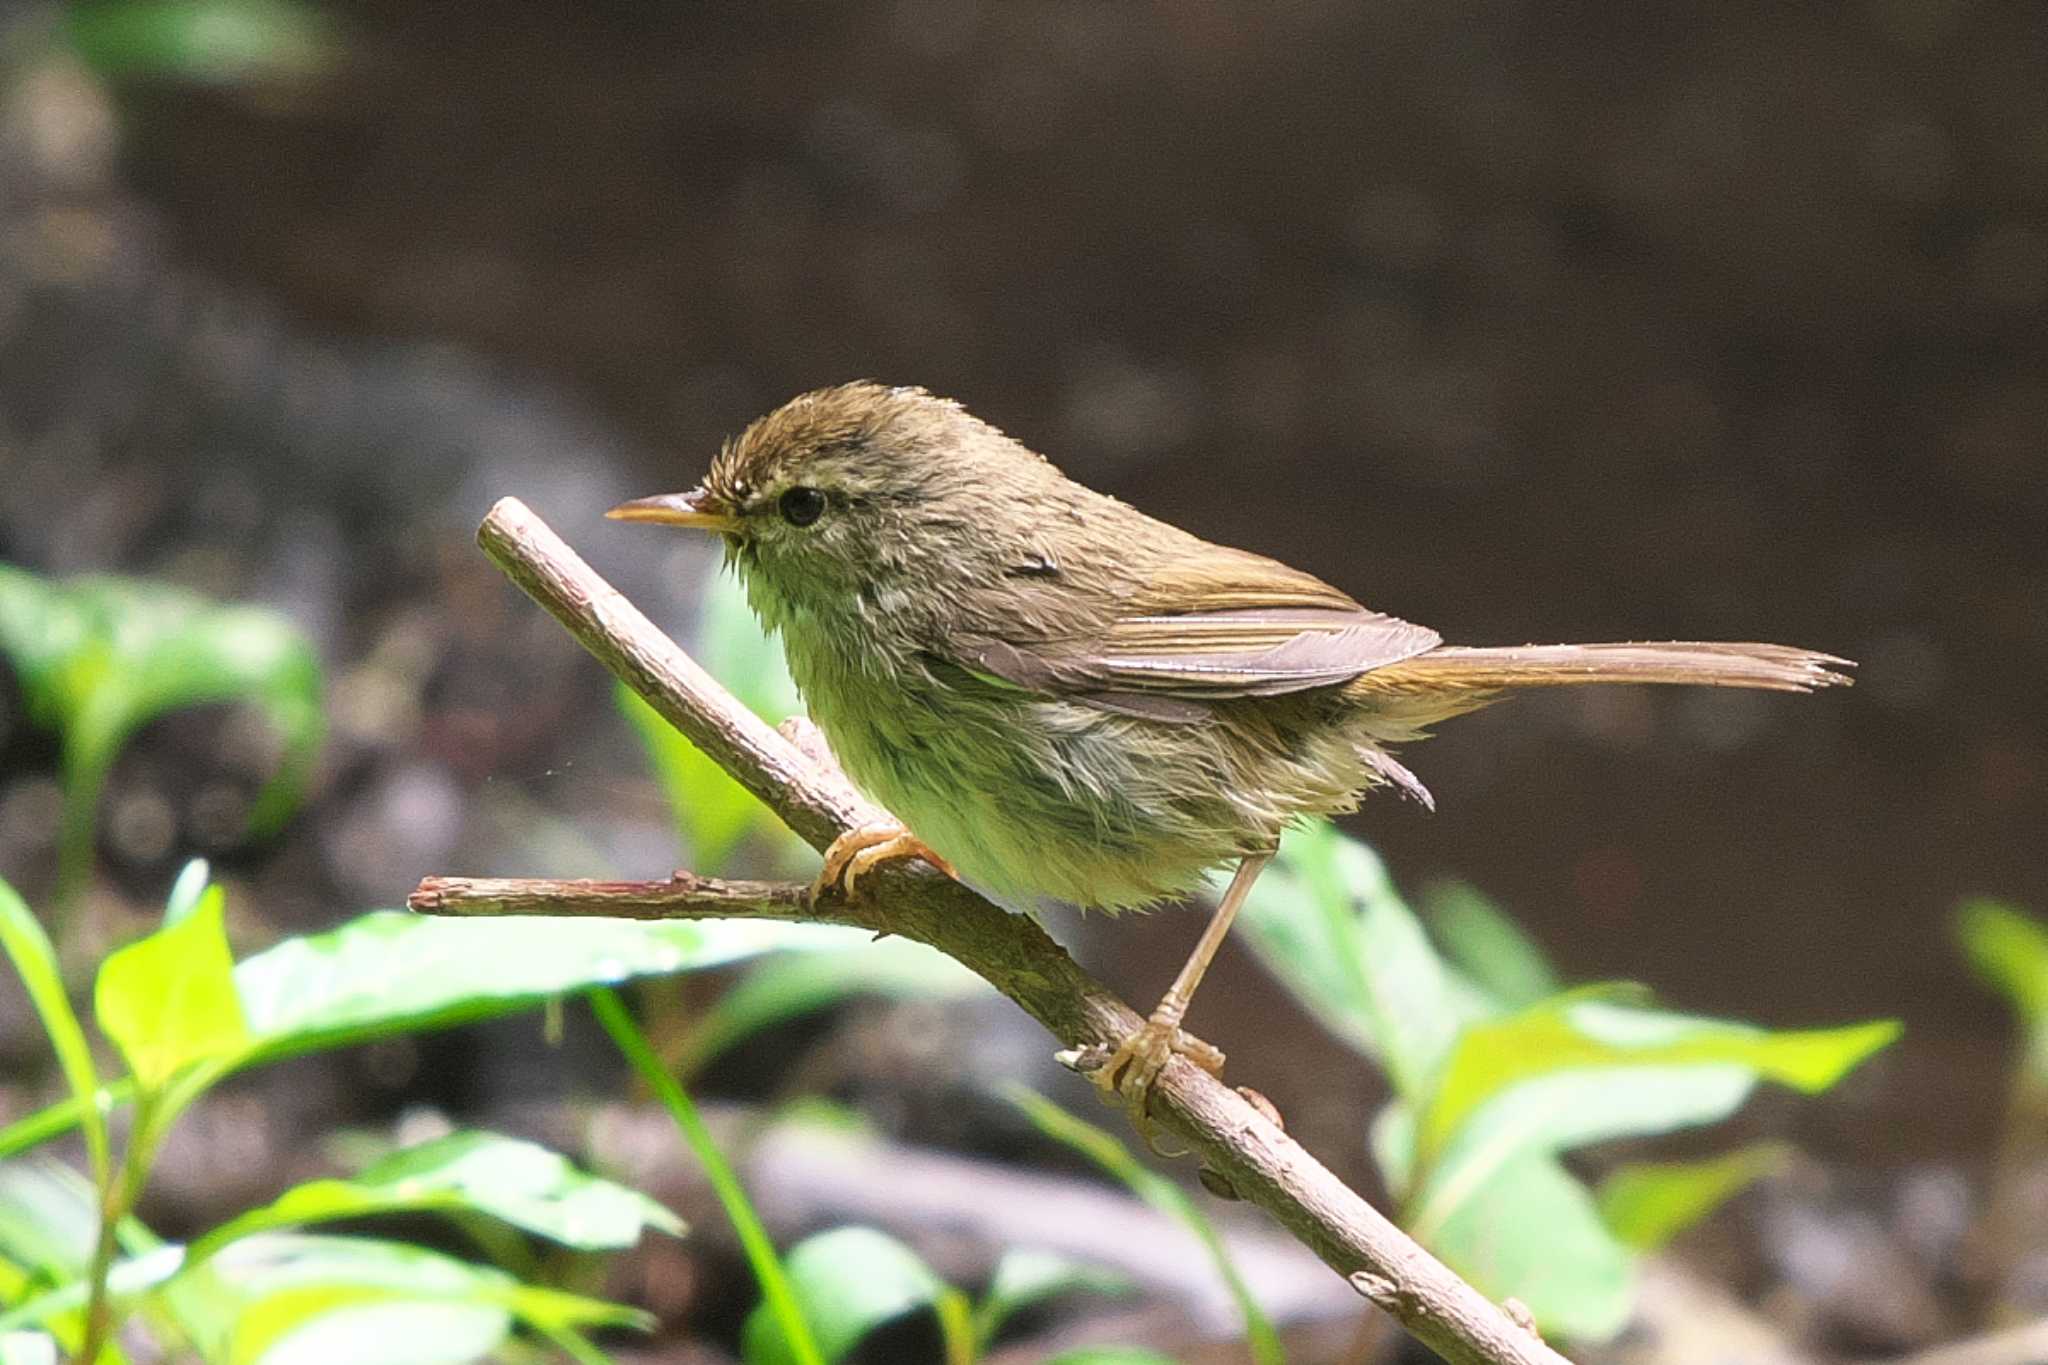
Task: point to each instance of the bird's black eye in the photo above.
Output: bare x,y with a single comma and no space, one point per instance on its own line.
801,505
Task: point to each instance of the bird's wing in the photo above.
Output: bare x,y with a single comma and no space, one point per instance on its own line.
1211,623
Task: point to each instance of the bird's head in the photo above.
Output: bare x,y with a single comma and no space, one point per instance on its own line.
847,493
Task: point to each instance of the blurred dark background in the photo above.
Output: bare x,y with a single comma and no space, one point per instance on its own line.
1577,321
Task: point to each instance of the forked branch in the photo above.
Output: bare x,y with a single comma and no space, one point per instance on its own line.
799,782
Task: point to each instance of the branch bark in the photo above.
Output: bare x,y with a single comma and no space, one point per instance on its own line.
798,780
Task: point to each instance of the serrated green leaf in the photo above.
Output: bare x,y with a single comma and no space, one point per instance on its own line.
1102,1147
1326,919
168,1001
1025,1277
848,1282
787,985
1648,1203
521,1183
1534,1234
29,948
1493,952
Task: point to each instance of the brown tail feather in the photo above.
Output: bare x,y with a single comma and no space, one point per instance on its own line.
1779,668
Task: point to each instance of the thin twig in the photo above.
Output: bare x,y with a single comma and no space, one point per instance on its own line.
797,781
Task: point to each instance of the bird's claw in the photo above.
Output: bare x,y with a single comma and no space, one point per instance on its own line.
860,851
1128,1073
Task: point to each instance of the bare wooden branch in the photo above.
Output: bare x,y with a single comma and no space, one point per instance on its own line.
796,780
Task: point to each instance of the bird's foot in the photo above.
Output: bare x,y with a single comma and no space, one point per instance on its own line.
860,851
1127,1075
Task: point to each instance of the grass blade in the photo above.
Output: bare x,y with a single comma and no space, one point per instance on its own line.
725,1183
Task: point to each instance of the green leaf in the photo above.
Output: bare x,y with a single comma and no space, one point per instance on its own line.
1534,1234
731,645
322,1323
188,890
1578,1069
1105,1151
521,1183
2010,952
1392,1141
791,984
288,1299
1490,948
168,1001
136,1275
216,42
779,1298
298,1300
1111,1355
713,812
28,947
98,657
1648,1203
848,1282
1025,1277
391,972
1326,919
49,1217
1581,1033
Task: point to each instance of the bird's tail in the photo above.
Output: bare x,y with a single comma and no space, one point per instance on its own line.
1458,669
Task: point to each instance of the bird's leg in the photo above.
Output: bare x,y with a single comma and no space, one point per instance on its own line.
860,850
1137,1061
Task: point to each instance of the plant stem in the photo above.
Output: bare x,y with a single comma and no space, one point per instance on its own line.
123,1187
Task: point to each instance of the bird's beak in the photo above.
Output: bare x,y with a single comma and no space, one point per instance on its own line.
699,507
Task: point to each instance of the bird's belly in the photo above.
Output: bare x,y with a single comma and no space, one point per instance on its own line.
1035,800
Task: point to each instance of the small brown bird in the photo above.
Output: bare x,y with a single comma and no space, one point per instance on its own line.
1066,700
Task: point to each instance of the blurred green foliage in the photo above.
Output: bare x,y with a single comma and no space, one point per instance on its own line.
1492,1086
214,42
2009,951
181,1014
851,1281
714,814
100,657
1108,1152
